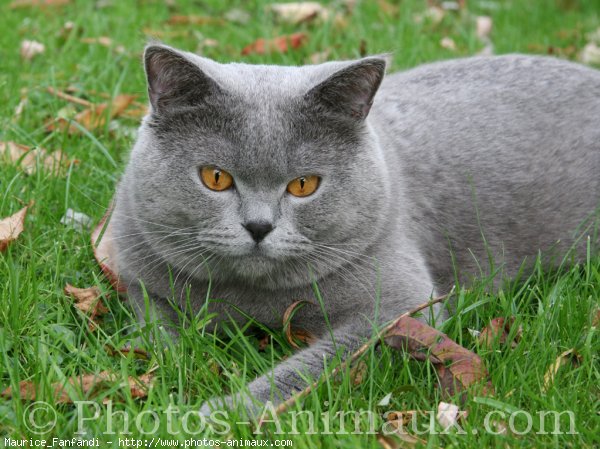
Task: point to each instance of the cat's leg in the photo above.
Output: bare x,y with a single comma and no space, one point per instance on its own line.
304,367
151,309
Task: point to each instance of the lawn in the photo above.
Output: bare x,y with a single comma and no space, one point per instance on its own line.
44,339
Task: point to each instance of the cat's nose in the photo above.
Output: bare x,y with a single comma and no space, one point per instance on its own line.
258,229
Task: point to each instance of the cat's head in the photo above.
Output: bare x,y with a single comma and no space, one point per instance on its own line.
259,171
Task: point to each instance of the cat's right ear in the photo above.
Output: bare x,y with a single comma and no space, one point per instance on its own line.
174,81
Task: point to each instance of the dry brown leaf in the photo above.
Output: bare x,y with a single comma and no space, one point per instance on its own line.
95,116
279,44
89,301
104,251
193,20
497,332
55,162
11,227
137,353
358,373
457,367
596,317
105,41
396,424
568,357
30,49
295,13
90,385
388,8
293,335
43,3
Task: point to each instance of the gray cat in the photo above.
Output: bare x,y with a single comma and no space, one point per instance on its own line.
248,183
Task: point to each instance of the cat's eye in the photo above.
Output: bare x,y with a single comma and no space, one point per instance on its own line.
216,179
304,185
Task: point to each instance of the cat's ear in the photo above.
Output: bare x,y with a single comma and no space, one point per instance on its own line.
350,91
174,81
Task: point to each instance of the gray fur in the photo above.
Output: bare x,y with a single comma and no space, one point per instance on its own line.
478,156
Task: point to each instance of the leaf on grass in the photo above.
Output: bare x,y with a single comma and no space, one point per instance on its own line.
89,385
319,57
55,163
104,251
433,15
124,352
193,20
89,301
104,41
483,27
11,227
457,367
295,13
43,3
358,373
590,54
449,414
280,44
30,49
294,335
448,43
596,317
396,424
388,8
95,116
568,357
497,332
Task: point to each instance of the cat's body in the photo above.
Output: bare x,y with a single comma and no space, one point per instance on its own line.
486,156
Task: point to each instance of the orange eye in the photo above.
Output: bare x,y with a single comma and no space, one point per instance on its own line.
216,179
304,185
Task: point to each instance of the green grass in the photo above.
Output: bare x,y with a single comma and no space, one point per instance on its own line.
45,340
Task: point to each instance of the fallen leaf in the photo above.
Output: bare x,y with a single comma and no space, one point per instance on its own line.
448,43
94,117
193,20
137,353
104,41
497,332
448,414
433,15
89,385
457,367
27,158
76,220
279,44
590,54
385,401
30,49
396,423
596,317
43,3
358,373
293,335
388,8
11,227
295,13
568,357
483,27
104,251
89,301
320,57
237,15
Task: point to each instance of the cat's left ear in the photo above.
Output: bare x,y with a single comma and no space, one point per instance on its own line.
350,91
